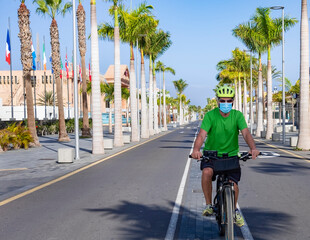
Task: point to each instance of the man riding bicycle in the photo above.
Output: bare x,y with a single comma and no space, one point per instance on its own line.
222,126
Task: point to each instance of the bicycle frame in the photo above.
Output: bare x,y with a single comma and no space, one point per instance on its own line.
224,200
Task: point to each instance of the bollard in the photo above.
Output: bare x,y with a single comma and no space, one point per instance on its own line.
276,137
65,155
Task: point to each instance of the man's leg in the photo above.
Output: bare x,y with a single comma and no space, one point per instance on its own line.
206,183
236,194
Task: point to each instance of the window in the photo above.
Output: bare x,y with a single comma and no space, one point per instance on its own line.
46,79
0,80
8,79
50,79
16,82
12,79
42,79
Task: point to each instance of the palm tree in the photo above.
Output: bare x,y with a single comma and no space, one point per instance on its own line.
118,132
125,96
156,44
251,37
161,67
108,91
97,142
304,130
180,86
47,98
81,18
132,24
53,8
270,29
26,59
228,75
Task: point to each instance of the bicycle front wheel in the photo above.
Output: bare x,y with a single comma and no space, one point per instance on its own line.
229,217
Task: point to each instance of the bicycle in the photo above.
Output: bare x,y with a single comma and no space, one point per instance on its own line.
224,200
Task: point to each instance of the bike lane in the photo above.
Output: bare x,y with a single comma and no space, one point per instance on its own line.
273,197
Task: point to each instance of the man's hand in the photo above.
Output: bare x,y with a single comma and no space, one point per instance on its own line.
254,153
196,154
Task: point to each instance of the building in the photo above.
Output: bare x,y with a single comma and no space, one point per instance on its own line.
38,84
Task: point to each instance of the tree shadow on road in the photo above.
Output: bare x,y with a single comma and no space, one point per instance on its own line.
266,224
137,221
280,168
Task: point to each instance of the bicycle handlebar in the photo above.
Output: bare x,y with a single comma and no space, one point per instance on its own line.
244,157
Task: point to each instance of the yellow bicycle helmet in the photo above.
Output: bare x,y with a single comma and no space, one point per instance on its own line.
225,91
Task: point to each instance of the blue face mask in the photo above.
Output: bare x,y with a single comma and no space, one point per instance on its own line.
225,107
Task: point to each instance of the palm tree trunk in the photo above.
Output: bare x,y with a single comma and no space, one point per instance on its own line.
97,143
85,129
156,130
245,113
26,59
81,19
133,98
304,128
240,93
256,105
110,119
236,101
118,133
144,120
181,113
269,98
63,136
151,114
293,114
127,114
164,103
259,127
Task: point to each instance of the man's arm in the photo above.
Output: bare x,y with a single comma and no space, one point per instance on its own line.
250,141
198,143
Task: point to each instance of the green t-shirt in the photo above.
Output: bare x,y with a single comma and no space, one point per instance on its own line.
223,132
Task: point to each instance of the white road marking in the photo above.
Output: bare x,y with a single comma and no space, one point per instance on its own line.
182,132
245,228
177,205
268,154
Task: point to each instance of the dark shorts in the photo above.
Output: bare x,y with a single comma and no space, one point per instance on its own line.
234,175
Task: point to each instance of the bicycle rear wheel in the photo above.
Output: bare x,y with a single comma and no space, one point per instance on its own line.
229,217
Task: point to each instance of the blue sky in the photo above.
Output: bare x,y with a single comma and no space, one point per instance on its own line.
201,32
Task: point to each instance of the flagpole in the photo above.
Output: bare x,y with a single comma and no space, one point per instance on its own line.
45,118
12,109
68,85
35,96
76,117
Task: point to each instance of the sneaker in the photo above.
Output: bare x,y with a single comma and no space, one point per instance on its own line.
208,210
239,219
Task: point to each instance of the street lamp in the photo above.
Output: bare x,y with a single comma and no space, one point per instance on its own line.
283,81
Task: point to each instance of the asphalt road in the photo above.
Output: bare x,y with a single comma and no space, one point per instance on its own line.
274,196
129,196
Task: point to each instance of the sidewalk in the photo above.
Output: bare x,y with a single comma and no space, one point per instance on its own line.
21,170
